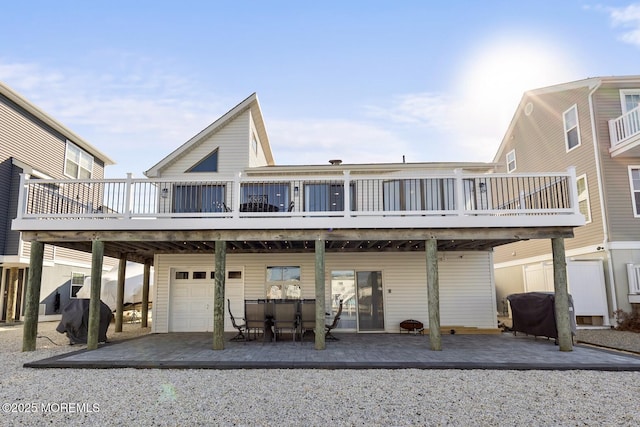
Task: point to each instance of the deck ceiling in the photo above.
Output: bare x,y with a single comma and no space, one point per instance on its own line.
141,246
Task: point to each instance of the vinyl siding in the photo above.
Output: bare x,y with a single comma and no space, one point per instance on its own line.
466,282
259,158
233,143
26,139
622,225
540,146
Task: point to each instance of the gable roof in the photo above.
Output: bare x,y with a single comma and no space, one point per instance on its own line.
589,83
22,102
250,103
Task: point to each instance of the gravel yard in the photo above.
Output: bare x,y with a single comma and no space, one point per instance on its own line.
303,397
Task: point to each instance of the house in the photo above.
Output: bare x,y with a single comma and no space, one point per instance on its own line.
594,126
34,144
219,219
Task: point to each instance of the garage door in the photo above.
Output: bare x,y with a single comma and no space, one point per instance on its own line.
191,299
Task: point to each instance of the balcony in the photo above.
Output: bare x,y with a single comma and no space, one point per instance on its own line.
390,200
624,133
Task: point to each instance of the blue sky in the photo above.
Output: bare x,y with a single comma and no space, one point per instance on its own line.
362,81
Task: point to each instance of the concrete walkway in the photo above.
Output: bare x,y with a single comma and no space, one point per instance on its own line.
353,351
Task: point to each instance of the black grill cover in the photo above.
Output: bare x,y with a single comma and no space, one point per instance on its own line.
534,313
75,321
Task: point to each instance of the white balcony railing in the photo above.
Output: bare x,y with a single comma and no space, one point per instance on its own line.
624,127
308,200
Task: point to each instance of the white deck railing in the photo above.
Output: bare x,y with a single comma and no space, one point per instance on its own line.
624,127
305,198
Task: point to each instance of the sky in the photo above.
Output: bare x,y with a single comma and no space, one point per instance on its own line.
362,81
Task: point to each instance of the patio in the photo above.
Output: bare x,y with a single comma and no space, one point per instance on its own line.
352,351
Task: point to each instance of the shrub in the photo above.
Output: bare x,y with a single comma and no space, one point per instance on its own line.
628,321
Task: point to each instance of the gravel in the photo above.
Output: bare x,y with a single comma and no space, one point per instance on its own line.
302,397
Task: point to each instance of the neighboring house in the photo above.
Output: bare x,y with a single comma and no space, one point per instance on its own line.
594,126
369,229
33,143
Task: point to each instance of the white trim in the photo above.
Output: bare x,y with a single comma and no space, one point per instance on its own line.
623,93
586,187
566,131
549,257
632,190
631,245
515,166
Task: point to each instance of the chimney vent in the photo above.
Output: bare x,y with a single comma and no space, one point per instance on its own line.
335,162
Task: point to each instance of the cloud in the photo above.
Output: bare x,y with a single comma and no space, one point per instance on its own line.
431,110
628,18
139,112
316,141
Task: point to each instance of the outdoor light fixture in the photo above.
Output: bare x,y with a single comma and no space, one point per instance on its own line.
164,193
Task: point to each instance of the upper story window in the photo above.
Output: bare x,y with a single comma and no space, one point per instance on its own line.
583,198
254,144
629,99
511,161
78,163
571,128
208,164
634,182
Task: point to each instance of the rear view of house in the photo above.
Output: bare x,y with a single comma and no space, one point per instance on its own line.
34,144
219,220
594,126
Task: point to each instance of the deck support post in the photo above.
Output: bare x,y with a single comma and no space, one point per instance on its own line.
12,296
144,310
320,293
433,294
32,298
93,330
218,295
122,274
563,318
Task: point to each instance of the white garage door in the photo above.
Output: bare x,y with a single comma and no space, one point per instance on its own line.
191,299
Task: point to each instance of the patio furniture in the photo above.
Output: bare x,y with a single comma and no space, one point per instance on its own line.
254,316
241,328
285,317
307,316
328,335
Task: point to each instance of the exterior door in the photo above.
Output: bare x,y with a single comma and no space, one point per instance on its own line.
370,301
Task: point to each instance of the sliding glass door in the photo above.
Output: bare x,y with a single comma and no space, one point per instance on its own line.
370,301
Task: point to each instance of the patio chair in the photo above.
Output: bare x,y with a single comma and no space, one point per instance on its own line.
241,328
307,316
328,335
254,316
285,317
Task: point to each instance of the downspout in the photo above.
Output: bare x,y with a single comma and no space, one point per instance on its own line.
605,233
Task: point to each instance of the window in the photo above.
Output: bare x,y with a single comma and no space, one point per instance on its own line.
199,198
283,283
77,281
199,275
327,197
419,194
583,198
208,164
571,128
511,161
254,144
182,275
630,99
634,178
276,195
78,163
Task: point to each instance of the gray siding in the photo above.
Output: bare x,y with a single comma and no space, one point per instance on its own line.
622,225
540,147
12,238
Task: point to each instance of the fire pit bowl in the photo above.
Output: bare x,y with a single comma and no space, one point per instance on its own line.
411,325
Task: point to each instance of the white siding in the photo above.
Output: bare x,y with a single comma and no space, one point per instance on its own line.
233,143
466,282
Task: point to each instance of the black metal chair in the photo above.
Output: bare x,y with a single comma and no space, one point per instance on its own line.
285,316
241,328
328,335
254,316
